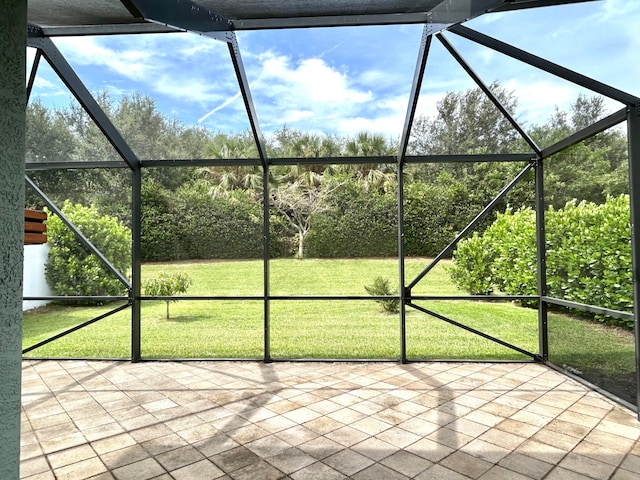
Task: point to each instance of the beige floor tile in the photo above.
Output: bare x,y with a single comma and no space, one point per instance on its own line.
378,471
71,455
234,459
499,473
180,457
291,460
347,436
438,472
143,470
320,447
485,450
466,464
318,471
621,474
33,466
541,451
603,454
406,463
526,465
124,456
268,446
375,448
83,469
560,473
587,466
632,464
348,462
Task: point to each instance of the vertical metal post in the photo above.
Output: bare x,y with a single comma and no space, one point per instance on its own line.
633,134
136,263
267,254
418,75
401,273
243,82
541,261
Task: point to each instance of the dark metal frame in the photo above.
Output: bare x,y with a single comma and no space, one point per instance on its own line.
535,160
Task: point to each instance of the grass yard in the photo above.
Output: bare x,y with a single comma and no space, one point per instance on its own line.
322,329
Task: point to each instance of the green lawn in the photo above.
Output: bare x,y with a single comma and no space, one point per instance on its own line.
318,329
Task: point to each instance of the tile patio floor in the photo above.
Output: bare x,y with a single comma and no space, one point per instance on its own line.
197,420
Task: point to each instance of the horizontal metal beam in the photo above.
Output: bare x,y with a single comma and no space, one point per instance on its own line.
440,17
276,297
545,65
201,162
589,308
93,30
379,159
76,298
477,298
37,166
331,21
598,127
473,158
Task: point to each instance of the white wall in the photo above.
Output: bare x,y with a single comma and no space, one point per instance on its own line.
34,284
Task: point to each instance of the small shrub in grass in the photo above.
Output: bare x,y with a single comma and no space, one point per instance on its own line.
381,287
167,285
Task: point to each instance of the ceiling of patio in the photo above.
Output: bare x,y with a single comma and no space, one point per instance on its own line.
100,17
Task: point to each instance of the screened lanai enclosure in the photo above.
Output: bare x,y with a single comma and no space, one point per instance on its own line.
263,295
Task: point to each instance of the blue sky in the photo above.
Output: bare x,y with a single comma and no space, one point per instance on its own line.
346,80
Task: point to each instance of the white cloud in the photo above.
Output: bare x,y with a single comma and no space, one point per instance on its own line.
312,80
537,100
156,68
308,94
224,104
387,125
48,87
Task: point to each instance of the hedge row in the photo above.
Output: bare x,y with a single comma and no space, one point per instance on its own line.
588,255
192,224
359,222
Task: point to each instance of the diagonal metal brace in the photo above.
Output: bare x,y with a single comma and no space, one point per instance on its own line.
84,97
84,240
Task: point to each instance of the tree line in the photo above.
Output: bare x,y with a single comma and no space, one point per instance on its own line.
316,210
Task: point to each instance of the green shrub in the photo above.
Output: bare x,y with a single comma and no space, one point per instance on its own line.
434,214
361,223
190,223
588,256
71,269
381,287
167,285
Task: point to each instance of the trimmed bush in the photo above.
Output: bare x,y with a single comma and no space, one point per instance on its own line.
588,256
362,223
190,223
71,269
